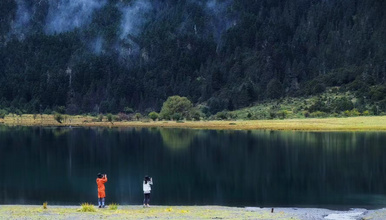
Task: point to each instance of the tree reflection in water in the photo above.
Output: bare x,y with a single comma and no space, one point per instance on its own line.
204,167
177,139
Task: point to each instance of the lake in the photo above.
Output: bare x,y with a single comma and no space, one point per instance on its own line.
193,167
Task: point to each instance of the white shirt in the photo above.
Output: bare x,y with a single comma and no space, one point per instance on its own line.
147,187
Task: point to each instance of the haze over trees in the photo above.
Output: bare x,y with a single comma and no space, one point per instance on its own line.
111,56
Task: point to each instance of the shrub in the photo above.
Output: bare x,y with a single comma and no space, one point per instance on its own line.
100,117
195,114
272,114
366,113
138,116
351,113
110,117
18,112
123,117
177,116
86,207
354,112
146,120
343,104
153,115
3,113
116,118
113,206
58,117
318,114
378,93
221,115
335,115
232,115
282,114
45,205
319,105
176,104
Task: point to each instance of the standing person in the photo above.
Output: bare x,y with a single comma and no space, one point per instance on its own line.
146,190
101,180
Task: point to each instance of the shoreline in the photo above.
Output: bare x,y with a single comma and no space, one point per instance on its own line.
184,212
362,123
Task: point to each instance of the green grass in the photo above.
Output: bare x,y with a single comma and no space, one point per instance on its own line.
86,207
45,205
113,206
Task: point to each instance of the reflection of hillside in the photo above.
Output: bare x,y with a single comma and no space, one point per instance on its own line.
331,141
292,138
177,138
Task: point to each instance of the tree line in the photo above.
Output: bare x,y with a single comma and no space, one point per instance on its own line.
251,52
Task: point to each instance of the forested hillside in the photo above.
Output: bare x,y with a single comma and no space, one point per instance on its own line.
99,56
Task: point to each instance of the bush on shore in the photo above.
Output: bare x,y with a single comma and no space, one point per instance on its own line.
58,117
3,113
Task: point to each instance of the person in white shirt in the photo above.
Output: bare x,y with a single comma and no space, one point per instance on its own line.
146,190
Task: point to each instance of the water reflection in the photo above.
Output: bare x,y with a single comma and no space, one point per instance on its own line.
237,168
177,139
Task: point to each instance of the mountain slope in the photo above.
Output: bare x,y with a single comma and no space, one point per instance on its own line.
102,56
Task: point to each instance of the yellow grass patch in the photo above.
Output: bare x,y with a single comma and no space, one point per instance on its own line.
363,123
137,212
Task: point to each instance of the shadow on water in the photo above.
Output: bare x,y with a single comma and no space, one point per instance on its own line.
194,167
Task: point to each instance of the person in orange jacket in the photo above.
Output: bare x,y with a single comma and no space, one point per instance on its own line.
101,180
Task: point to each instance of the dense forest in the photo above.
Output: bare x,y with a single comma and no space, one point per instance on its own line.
99,56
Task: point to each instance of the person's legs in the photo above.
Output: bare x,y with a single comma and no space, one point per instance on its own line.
147,199
144,200
103,202
99,202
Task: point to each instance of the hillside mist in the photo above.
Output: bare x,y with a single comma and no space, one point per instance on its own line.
99,56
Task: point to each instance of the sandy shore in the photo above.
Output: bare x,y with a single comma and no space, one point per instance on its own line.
184,212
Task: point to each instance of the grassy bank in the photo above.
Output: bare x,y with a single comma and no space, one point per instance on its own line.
137,212
184,212
362,123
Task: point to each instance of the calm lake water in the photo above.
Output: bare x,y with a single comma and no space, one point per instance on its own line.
194,167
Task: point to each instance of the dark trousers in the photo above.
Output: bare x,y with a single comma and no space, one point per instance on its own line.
146,198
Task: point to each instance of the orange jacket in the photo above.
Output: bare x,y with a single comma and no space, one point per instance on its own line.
101,186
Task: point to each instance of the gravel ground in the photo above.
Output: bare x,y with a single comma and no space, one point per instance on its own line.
185,212
316,214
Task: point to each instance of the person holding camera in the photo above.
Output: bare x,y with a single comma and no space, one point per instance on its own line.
101,180
146,190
